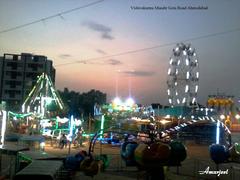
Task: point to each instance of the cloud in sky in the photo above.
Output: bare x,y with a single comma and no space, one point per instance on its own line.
138,73
65,56
82,62
113,62
100,51
105,31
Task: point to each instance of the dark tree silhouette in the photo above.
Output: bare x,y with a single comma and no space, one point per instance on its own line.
82,104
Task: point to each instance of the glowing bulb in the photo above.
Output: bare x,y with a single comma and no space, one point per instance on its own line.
196,88
222,116
117,101
167,116
217,133
187,62
178,101
48,100
193,100
169,71
237,116
186,89
130,102
184,100
178,63
168,91
197,75
188,74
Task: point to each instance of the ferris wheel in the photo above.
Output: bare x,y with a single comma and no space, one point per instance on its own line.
183,76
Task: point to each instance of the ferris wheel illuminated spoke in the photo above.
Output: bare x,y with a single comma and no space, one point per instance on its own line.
183,76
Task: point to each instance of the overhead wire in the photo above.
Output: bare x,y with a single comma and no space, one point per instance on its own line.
84,61
60,14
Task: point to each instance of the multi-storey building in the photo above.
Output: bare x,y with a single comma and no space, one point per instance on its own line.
18,75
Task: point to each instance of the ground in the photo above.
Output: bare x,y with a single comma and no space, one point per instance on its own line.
198,160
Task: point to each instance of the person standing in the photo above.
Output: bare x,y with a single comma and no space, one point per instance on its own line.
80,136
63,141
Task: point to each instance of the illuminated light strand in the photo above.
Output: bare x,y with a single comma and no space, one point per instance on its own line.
194,121
43,82
31,92
217,132
61,104
19,115
4,120
71,128
34,92
56,98
102,126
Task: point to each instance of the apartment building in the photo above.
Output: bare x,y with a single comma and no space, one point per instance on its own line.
18,75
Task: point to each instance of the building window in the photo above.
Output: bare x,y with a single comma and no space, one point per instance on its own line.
15,57
14,65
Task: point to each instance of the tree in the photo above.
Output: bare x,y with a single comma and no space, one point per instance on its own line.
79,104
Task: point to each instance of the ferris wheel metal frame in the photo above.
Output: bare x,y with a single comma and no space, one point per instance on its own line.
183,76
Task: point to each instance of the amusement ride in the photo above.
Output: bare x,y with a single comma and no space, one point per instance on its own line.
183,76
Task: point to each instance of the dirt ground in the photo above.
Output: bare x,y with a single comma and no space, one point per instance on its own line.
198,159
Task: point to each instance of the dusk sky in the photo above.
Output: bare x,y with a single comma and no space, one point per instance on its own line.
111,27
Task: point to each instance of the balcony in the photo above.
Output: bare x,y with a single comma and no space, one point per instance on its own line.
10,68
9,87
15,78
7,96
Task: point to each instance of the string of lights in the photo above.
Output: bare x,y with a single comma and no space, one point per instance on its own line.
60,14
150,48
